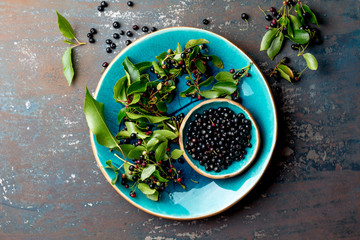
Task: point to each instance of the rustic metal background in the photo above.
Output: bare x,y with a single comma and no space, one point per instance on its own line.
50,186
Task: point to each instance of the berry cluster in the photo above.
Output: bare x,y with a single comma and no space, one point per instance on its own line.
217,137
91,34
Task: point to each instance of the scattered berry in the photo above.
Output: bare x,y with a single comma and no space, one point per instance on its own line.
113,45
130,3
91,40
135,27
116,24
205,21
103,4
89,35
108,41
121,32
100,8
145,29
105,64
244,16
93,31
129,34
116,36
153,29
108,50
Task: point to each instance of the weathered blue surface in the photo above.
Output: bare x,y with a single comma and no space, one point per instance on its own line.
50,186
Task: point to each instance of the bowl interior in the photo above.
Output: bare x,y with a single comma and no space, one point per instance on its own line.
238,165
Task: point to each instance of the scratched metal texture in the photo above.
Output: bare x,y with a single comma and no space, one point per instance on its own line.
51,188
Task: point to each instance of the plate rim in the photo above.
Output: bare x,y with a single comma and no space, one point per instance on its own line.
98,162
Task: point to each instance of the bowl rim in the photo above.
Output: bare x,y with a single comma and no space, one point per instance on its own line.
273,144
196,168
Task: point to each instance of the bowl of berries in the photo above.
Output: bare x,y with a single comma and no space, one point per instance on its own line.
219,138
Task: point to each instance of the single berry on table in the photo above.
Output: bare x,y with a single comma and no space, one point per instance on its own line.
105,64
93,31
100,8
116,24
127,42
113,45
129,33
108,50
116,36
121,32
135,27
130,3
91,40
205,21
103,4
153,29
145,29
108,41
89,35
244,16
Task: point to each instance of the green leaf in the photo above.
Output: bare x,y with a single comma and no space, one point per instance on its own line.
290,29
114,180
136,152
299,14
68,42
166,133
67,66
300,36
191,89
311,61
176,153
127,171
65,27
225,88
160,151
193,42
162,106
286,69
161,56
111,166
312,15
136,99
207,82
150,118
199,64
158,69
120,90
159,177
275,46
147,171
127,148
132,73
144,188
154,196
131,128
138,86
294,22
192,55
178,49
211,93
267,39
152,143
217,61
143,66
284,75
121,115
94,113
224,76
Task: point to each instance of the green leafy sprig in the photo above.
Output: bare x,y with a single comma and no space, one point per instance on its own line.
68,32
292,27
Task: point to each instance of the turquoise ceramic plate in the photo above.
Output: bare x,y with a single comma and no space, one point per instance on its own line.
203,197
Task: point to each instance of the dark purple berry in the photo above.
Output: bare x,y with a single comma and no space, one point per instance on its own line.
130,3
93,31
153,29
244,16
116,24
116,36
135,27
113,45
268,17
272,9
145,29
108,41
205,21
129,33
91,40
108,50
121,32
89,35
105,64
103,4
100,8
127,42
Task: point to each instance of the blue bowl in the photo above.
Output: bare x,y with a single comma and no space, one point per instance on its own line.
237,166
